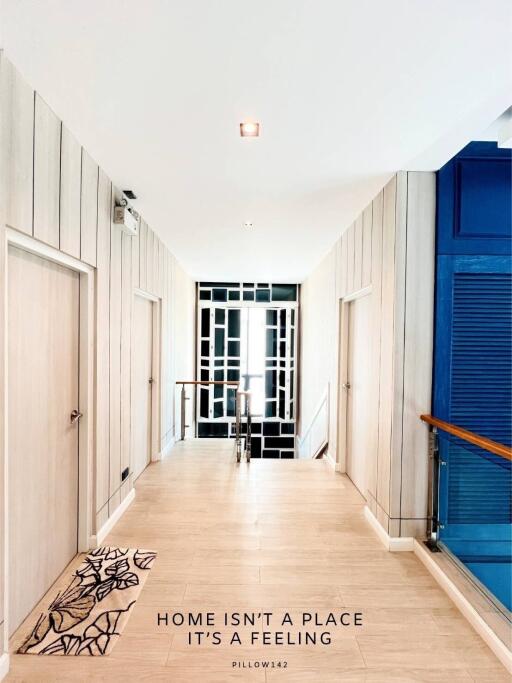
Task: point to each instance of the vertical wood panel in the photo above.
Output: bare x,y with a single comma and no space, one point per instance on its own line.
386,345
136,261
337,268
114,502
143,394
343,265
161,268
366,276
102,516
89,209
46,174
350,259
70,190
115,357
170,342
157,246
17,121
419,319
358,252
163,355
143,266
149,260
126,334
169,346
398,344
126,487
376,280
103,343
383,519
166,369
3,170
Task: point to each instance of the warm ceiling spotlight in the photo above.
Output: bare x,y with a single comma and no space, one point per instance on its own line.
249,130
248,224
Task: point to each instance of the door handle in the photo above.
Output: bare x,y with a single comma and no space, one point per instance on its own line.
151,380
75,416
346,385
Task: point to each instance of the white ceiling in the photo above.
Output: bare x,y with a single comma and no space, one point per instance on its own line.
347,92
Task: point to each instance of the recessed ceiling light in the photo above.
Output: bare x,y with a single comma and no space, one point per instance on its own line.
248,224
249,129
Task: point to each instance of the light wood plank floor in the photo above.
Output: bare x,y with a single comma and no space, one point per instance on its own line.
271,537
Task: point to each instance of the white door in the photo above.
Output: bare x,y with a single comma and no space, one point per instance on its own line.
43,352
359,399
142,386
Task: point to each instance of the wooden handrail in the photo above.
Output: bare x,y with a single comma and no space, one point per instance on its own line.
475,439
232,383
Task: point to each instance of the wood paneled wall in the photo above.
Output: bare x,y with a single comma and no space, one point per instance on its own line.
390,248
5,206
52,189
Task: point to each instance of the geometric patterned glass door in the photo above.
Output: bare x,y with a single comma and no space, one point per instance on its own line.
253,342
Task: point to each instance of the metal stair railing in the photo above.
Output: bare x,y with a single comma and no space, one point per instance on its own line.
244,396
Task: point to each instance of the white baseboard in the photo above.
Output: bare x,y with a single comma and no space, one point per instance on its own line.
484,630
97,540
401,544
4,665
167,448
392,543
329,459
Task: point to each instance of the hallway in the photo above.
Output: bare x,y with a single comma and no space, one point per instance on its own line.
276,537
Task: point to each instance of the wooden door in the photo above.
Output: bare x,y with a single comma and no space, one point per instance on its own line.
359,399
43,352
142,364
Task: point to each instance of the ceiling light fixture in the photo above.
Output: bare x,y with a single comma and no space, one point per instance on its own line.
248,224
249,129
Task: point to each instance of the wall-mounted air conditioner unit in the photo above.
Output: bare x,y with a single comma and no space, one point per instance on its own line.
126,217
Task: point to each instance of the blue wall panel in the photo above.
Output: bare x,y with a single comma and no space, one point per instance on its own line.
474,200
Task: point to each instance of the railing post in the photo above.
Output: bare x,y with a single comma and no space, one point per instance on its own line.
433,489
249,427
238,440
183,411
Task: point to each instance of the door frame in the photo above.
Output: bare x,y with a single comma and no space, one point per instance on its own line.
342,413
86,362
156,393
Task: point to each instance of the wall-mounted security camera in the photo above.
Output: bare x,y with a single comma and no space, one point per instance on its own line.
126,217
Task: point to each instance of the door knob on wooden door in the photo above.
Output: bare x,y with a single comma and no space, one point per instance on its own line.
75,416
346,385
151,380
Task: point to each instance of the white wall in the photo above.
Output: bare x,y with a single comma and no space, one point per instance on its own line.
318,360
184,340
389,249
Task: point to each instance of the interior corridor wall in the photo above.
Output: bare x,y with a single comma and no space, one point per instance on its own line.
52,190
388,251
185,343
317,357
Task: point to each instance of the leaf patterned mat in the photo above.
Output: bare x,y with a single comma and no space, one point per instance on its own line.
88,617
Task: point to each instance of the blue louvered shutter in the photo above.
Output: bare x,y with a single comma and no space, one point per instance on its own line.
474,387
481,378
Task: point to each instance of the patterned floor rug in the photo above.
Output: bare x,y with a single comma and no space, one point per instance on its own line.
88,617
